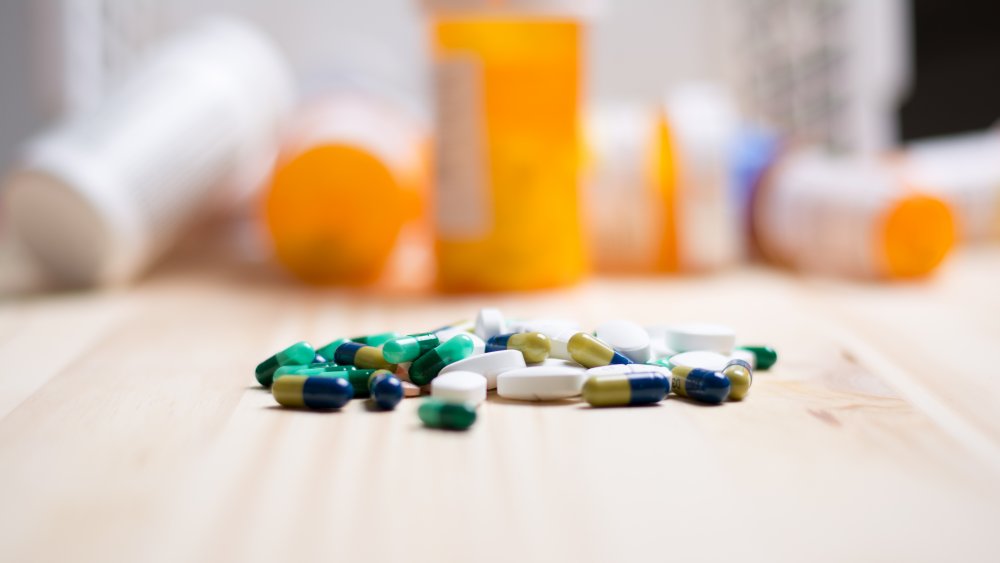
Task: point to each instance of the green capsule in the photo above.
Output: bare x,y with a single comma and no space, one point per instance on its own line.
766,356
444,414
426,367
328,350
358,379
409,348
300,353
311,369
376,339
740,378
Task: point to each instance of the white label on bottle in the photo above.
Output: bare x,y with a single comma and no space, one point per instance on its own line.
462,205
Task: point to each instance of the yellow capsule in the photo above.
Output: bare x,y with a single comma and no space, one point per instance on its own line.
740,378
591,352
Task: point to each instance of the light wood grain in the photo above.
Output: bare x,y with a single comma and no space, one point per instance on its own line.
131,429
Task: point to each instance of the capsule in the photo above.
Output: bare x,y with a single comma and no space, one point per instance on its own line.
700,384
376,339
740,377
626,389
311,369
409,348
300,353
766,356
300,391
437,413
362,356
386,389
426,367
591,352
330,349
534,346
358,379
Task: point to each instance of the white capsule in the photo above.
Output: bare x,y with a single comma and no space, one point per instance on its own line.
700,336
541,383
488,365
628,338
460,386
489,323
711,361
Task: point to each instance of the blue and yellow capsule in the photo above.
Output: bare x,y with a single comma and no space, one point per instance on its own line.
299,353
590,352
700,384
321,393
386,389
641,388
534,346
362,356
740,376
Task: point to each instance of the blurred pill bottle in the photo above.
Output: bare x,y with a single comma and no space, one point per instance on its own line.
106,192
351,176
848,216
508,77
661,191
963,170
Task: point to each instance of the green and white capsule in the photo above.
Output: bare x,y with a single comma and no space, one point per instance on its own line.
445,414
534,346
300,353
426,367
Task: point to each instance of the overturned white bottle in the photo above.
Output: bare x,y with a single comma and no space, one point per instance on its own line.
100,197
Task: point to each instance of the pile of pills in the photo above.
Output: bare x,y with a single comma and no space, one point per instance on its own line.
619,363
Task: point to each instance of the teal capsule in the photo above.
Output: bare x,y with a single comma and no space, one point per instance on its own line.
311,369
444,414
358,379
328,350
765,355
386,389
409,348
376,339
300,353
426,367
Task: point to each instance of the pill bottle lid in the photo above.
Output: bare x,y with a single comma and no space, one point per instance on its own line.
572,8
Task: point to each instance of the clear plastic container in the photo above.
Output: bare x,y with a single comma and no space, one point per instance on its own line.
508,77
102,196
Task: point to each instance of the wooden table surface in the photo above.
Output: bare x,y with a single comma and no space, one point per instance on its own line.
131,428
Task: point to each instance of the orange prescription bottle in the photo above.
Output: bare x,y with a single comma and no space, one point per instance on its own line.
507,80
350,176
849,216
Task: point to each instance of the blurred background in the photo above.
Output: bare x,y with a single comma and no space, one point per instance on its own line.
844,137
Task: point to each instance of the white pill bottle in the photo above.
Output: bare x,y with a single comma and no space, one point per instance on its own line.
100,197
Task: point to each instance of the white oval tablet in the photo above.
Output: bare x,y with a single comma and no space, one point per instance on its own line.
459,386
541,383
489,323
700,359
626,337
488,365
700,336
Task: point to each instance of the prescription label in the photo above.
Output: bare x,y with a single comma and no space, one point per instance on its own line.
462,202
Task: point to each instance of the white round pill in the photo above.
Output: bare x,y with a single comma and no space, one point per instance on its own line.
488,365
627,337
489,323
459,386
700,359
541,383
700,336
